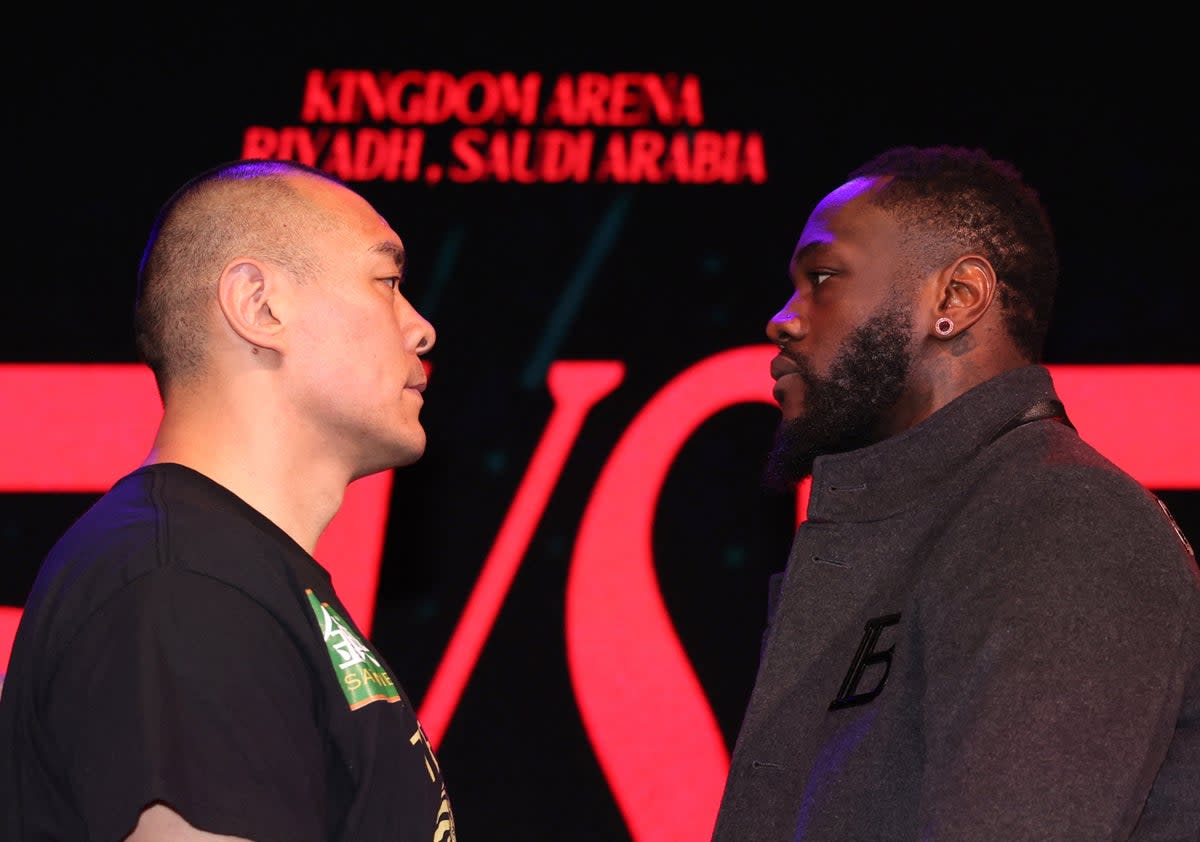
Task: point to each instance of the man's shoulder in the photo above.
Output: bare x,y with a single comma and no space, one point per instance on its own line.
166,518
1049,460
1046,487
119,525
157,531
158,514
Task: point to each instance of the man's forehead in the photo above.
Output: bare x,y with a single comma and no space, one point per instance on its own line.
843,215
353,218
850,191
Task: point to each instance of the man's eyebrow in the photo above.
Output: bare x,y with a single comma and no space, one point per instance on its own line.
806,250
392,250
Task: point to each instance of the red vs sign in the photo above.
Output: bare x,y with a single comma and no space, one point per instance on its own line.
71,428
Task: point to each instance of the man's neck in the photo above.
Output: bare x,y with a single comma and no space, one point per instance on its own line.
258,462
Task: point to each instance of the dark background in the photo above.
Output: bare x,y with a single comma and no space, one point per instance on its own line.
107,116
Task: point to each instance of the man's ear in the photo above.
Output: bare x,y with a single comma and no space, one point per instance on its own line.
245,293
965,290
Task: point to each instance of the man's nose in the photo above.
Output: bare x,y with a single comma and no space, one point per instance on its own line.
426,335
789,324
417,328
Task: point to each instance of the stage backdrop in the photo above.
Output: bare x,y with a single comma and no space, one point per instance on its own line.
571,583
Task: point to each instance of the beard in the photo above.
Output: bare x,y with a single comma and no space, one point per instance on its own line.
845,410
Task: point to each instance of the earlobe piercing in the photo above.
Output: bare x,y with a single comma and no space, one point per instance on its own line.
943,326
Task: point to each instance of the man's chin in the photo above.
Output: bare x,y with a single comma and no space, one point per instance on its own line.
784,482
409,452
397,454
787,464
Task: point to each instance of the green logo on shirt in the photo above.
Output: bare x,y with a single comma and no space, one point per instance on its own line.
363,678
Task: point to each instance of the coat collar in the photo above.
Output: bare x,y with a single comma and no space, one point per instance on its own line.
879,480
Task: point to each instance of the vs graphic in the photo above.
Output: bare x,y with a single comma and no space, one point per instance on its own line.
76,428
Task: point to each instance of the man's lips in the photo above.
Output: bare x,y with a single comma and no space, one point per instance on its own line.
422,379
782,366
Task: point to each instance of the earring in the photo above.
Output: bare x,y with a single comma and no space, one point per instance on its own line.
943,327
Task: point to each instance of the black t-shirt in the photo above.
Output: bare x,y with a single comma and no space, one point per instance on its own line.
179,647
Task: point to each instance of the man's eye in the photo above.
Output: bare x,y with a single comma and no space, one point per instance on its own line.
393,281
819,278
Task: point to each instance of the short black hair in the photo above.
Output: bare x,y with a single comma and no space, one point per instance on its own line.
980,203
246,205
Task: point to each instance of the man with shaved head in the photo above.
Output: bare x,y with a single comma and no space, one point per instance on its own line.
985,629
184,668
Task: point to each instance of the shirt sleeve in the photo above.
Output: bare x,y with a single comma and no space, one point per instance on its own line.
1057,658
182,689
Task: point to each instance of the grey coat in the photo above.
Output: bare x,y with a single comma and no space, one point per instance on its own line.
979,635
